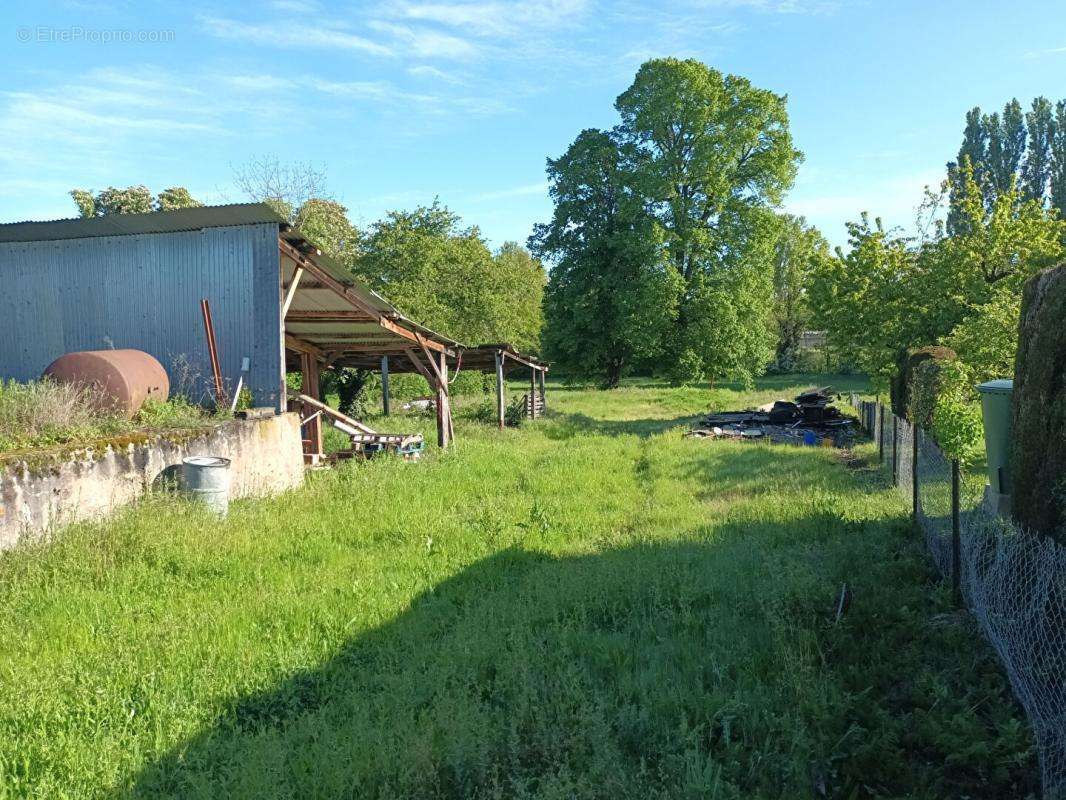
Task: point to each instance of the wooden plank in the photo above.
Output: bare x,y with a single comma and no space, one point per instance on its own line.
444,416
500,410
302,346
385,385
290,293
309,388
532,394
333,413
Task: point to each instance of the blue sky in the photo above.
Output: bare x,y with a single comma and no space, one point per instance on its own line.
401,102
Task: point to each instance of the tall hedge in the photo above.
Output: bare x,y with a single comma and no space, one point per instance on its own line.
1038,443
909,361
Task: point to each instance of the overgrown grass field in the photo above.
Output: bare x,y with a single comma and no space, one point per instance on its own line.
589,606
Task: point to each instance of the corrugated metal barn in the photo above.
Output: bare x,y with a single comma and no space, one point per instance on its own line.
136,281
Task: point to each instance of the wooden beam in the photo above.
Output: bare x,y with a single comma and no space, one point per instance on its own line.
302,346
333,413
414,336
309,388
309,315
442,371
500,411
533,394
444,411
422,368
385,385
291,291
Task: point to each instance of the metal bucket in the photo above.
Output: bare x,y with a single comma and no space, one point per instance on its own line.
206,480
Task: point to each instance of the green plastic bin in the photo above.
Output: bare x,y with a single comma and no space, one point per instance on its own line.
995,408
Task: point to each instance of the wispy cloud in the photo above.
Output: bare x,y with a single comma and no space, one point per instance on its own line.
494,18
425,43
778,6
292,36
1051,51
540,188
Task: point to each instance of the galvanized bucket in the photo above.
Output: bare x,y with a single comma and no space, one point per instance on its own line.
206,480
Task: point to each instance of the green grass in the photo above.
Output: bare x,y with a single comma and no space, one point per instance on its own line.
43,414
589,606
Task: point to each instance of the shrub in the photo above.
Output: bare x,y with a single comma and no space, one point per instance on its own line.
688,369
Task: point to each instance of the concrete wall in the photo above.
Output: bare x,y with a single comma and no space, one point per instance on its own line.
38,497
143,292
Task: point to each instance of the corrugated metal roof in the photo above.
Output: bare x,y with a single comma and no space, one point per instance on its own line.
182,219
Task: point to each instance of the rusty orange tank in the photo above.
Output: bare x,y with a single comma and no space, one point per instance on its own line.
120,380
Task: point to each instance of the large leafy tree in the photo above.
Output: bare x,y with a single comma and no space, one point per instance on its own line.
709,154
612,293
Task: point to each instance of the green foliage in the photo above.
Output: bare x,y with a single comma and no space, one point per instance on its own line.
175,198
799,252
662,238
922,380
131,200
687,369
958,428
612,294
889,293
986,340
325,222
626,613
443,276
710,153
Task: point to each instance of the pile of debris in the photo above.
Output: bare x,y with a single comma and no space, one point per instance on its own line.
810,420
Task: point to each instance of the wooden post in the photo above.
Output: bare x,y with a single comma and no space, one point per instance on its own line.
532,394
385,385
500,410
880,433
915,433
895,449
956,535
543,398
309,375
444,412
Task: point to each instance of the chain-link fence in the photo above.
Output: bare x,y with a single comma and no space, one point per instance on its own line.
1013,581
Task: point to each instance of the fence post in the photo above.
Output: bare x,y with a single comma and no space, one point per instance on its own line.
895,449
880,434
915,432
956,535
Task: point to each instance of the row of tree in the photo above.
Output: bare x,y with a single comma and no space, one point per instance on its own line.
664,238
1012,150
993,224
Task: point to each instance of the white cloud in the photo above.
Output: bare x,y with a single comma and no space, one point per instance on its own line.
1051,51
279,35
426,71
494,18
424,43
540,188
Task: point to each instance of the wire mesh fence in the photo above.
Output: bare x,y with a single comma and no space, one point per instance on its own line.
1013,581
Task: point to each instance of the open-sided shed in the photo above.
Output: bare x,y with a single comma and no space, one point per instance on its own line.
137,281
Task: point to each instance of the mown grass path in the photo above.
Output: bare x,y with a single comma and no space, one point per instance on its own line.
589,606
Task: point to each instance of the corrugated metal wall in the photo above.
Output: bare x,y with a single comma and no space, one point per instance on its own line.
144,292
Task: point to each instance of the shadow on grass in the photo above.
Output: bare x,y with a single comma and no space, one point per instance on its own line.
570,424
705,669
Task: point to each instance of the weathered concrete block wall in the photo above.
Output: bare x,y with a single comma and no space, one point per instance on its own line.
38,496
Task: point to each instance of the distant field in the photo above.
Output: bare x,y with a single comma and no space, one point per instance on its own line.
589,606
